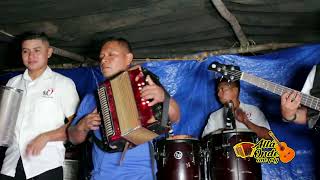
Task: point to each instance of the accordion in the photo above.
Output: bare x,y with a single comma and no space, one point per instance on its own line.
125,116
244,149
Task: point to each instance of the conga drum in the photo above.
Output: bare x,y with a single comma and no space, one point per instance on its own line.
178,158
71,162
222,162
78,161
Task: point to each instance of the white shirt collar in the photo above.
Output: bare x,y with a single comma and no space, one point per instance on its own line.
45,75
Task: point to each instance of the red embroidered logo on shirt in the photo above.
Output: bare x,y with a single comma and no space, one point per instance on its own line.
248,114
48,92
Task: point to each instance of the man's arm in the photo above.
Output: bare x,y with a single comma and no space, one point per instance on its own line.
261,132
38,143
78,133
174,111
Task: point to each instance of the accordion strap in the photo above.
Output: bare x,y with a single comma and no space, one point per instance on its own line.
165,109
99,143
165,106
104,147
152,155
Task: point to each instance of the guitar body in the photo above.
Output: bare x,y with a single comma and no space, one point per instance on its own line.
286,154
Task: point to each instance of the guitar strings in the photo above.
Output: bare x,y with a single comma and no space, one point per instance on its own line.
306,99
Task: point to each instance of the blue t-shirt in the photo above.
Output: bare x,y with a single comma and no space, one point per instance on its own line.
137,161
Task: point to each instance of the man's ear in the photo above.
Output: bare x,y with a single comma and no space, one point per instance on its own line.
50,51
237,90
129,58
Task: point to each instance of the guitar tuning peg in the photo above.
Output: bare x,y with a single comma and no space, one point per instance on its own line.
219,69
213,66
225,73
232,68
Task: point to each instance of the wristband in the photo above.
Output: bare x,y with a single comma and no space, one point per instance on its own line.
291,119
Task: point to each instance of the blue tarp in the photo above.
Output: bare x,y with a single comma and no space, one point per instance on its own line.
193,86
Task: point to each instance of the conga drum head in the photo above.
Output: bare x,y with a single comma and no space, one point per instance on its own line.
181,136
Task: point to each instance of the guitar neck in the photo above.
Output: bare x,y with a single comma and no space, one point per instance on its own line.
274,137
306,100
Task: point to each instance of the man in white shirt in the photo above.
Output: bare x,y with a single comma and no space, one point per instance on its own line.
247,117
37,150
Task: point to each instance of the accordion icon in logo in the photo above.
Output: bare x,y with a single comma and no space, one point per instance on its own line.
244,149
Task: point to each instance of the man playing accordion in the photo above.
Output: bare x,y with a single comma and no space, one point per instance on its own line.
115,57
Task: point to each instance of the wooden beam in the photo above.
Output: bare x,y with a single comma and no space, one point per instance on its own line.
199,57
56,66
72,55
203,55
232,20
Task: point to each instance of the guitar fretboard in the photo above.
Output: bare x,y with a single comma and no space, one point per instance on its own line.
274,137
306,100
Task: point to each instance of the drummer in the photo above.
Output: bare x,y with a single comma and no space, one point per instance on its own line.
245,117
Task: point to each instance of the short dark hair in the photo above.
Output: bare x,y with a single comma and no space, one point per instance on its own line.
224,80
123,42
30,35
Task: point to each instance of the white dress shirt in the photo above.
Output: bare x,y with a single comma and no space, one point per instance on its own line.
309,82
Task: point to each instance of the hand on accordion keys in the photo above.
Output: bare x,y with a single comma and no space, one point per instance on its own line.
152,92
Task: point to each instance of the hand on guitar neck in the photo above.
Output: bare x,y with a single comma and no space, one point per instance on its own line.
291,109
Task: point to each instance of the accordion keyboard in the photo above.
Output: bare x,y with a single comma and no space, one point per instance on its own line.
106,114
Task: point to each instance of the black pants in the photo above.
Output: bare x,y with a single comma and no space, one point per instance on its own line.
2,154
53,174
